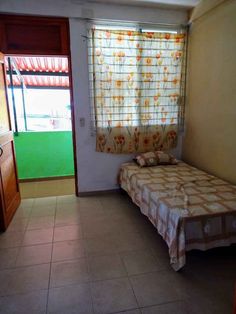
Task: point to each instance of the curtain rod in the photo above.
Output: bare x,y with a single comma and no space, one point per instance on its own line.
133,23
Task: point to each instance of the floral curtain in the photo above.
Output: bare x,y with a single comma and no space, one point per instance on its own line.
137,84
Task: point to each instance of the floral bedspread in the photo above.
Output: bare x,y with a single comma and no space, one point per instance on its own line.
190,208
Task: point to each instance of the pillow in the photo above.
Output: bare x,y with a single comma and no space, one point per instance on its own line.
147,159
155,158
165,158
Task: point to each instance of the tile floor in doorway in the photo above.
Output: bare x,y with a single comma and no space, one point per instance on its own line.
53,187
100,255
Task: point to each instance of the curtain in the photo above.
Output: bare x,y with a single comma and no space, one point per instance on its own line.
136,83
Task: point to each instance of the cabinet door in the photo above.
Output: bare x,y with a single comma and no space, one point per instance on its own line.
9,186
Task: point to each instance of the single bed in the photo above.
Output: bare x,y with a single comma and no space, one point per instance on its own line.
189,208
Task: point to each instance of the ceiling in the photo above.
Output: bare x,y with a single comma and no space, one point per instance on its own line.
182,4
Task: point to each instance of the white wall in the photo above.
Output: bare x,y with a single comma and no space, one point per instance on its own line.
96,171
75,8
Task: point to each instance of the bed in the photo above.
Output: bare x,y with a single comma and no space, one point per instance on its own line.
189,208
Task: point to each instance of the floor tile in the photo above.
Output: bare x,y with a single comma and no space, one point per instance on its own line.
33,255
157,244
68,250
126,225
112,296
206,293
40,222
68,214
67,199
22,212
38,236
67,220
155,288
24,279
138,262
45,201
8,257
31,303
94,218
208,305
119,244
29,202
143,225
63,208
18,225
67,233
71,300
91,210
97,227
129,242
69,272
179,307
136,311
11,239
100,246
106,267
89,203
43,210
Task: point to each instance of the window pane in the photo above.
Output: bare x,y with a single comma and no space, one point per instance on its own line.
46,109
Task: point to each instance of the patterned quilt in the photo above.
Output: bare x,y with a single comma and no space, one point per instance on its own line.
190,208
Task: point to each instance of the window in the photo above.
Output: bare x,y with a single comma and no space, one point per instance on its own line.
46,109
136,83
40,88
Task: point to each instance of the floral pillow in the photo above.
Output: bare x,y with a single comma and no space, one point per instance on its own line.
155,158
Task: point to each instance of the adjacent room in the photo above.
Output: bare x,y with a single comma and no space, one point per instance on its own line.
117,156
40,113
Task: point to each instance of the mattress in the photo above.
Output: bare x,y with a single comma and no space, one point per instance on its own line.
190,208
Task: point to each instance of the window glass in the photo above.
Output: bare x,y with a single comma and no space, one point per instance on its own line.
46,109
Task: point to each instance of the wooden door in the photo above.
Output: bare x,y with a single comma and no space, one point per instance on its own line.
9,187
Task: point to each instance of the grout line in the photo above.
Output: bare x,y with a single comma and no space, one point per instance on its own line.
19,247
126,310
163,303
50,268
23,293
90,290
86,258
123,263
133,291
148,306
71,260
25,266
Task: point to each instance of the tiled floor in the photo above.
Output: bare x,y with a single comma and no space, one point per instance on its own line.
100,255
47,188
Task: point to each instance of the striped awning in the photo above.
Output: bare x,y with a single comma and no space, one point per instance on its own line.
40,72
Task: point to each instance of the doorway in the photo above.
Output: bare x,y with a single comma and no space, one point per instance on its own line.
40,111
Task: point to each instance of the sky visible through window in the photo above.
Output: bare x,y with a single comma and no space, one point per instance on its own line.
46,109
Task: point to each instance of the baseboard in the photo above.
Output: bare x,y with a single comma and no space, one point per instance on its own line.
102,192
46,179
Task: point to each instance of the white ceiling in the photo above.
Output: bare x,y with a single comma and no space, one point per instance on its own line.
182,4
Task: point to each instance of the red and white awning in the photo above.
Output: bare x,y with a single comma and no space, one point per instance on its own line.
41,72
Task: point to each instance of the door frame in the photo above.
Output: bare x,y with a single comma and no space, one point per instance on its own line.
63,23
